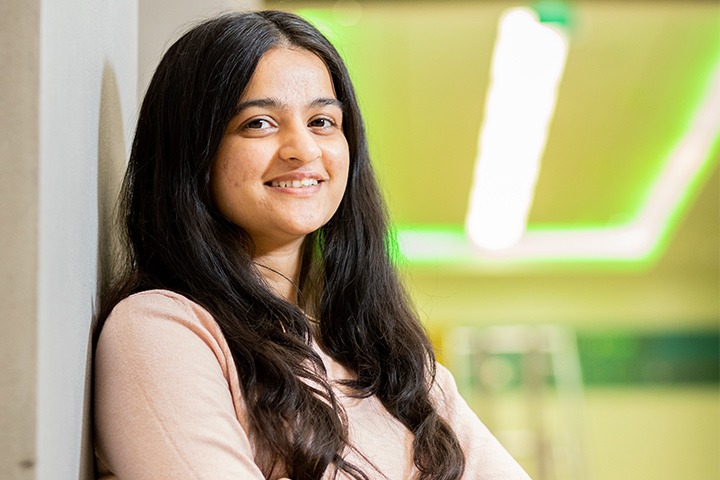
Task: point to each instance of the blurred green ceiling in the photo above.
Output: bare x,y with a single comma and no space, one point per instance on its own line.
636,73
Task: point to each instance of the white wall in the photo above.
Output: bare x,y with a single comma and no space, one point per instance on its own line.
88,67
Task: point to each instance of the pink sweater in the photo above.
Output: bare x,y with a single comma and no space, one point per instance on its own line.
168,405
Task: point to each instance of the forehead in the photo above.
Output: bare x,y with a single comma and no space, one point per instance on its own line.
289,73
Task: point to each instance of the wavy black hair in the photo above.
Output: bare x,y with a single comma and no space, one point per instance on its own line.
177,240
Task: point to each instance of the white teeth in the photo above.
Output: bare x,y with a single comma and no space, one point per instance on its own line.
307,182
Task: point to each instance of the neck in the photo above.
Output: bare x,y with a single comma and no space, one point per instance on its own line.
281,268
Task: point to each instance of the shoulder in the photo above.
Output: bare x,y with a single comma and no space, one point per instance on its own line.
149,320
452,406
167,400
486,458
444,389
142,309
156,302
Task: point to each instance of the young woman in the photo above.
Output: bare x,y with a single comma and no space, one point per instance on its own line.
260,330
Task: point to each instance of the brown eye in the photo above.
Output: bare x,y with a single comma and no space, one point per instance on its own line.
322,123
257,124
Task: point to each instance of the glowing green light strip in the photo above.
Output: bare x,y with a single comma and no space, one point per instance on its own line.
641,240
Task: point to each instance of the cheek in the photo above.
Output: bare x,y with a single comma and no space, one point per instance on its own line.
236,172
345,169
344,182
226,186
340,155
221,173
341,180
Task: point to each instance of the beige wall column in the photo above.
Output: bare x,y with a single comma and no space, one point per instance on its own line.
19,131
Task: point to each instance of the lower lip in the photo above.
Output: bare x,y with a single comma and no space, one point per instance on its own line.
301,192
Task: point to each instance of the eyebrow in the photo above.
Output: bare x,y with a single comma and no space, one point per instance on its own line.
275,103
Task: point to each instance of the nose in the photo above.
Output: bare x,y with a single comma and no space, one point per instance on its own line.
298,143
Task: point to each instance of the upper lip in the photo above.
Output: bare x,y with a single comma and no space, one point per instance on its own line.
288,177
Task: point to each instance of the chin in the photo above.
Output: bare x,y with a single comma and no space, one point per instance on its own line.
306,227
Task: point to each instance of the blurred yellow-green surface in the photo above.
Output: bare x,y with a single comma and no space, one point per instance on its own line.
641,326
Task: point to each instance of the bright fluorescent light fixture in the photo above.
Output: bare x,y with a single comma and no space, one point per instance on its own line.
639,237
637,240
528,63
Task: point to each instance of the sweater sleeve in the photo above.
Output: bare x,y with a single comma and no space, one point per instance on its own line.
164,406
485,458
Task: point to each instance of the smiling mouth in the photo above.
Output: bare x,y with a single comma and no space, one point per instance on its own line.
305,183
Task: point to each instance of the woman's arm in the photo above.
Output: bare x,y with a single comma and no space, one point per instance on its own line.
166,403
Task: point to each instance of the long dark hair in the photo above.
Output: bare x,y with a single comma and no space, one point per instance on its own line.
177,240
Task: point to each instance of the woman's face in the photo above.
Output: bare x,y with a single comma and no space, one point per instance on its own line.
282,166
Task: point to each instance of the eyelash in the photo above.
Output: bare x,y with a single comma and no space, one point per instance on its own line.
330,123
255,120
324,119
